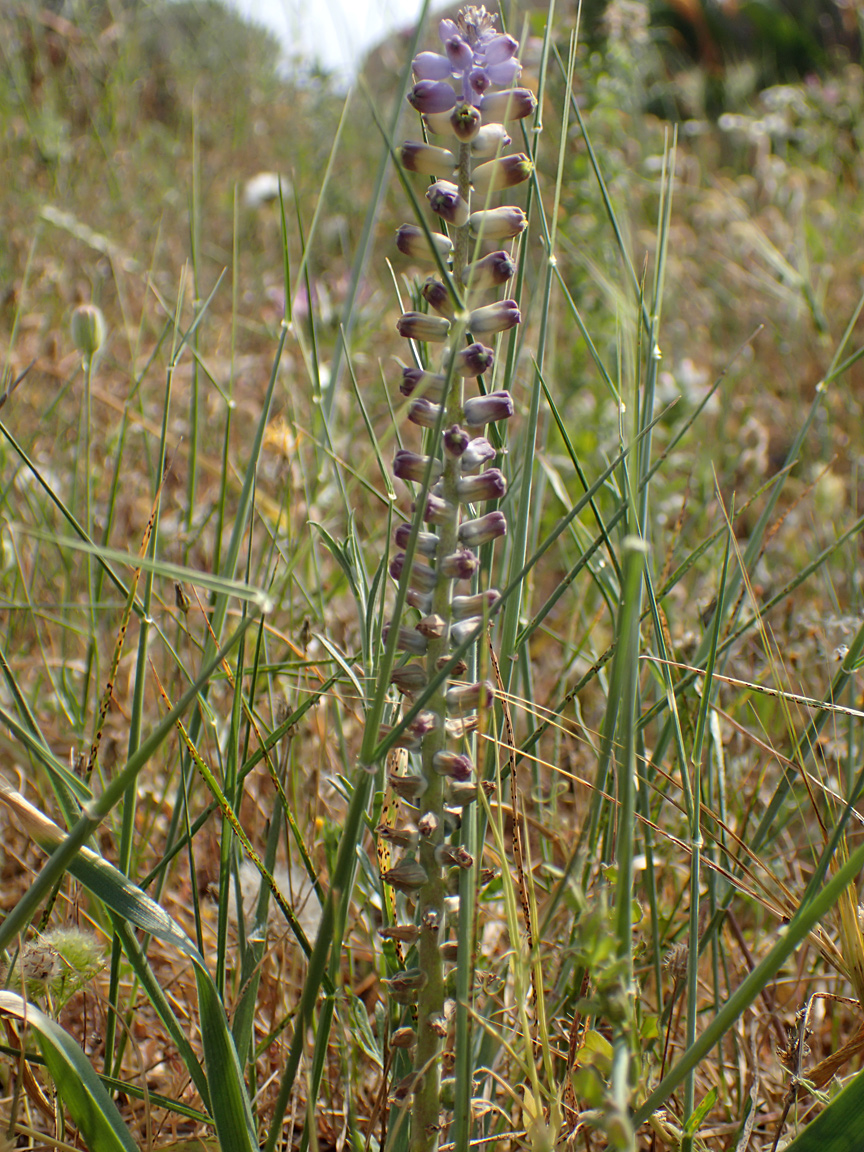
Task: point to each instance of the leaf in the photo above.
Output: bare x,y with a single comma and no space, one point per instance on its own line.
699,1114
839,1127
94,1112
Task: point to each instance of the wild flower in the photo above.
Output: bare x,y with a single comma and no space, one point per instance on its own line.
454,91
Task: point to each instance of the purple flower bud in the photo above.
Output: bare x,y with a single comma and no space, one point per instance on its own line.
459,53
423,723
439,123
459,565
453,764
409,640
428,384
478,453
497,317
509,104
409,678
445,201
427,542
434,96
423,578
477,605
466,697
482,410
409,466
424,413
455,441
490,272
437,510
489,485
490,140
504,74
465,630
438,297
425,158
421,326
447,29
479,81
498,223
431,66
499,48
503,172
474,360
465,121
432,627
483,530
412,241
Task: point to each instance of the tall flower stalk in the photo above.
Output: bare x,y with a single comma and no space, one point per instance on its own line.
465,95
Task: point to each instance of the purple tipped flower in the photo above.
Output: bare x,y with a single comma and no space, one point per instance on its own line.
409,678
430,96
510,104
492,318
465,630
455,441
459,53
409,640
438,297
506,73
459,565
422,601
424,413
495,269
478,453
498,223
433,626
483,530
437,510
423,578
421,326
483,410
489,485
465,121
453,764
474,360
427,542
499,48
428,384
409,466
445,201
431,66
476,605
412,241
426,159
502,172
466,697
490,140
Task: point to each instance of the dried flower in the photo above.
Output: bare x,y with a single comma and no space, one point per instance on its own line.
453,764
409,678
407,876
405,837
479,604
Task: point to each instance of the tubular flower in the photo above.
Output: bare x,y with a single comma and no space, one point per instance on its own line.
455,92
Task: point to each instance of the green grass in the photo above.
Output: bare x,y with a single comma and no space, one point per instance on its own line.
194,536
